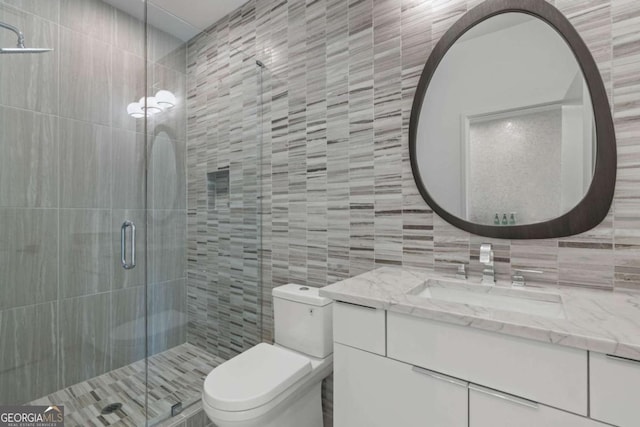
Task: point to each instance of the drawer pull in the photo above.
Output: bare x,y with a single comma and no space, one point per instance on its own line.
504,396
622,359
445,378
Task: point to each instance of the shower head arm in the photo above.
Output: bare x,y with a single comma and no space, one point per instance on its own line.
17,31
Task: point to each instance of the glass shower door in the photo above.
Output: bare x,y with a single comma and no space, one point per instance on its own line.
72,172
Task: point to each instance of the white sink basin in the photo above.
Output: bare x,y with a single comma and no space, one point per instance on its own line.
546,304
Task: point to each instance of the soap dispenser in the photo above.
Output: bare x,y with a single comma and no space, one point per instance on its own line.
496,220
512,218
504,219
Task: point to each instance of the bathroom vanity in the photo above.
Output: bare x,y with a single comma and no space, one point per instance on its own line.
413,348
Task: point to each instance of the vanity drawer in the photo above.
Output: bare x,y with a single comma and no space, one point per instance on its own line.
490,408
360,327
374,391
546,373
615,390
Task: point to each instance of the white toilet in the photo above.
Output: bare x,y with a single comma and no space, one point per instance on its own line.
277,385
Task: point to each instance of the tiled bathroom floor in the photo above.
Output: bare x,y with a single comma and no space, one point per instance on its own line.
175,375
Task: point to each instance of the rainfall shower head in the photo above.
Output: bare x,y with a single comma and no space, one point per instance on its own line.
20,48
23,50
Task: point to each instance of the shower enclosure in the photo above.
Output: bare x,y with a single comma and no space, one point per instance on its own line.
129,209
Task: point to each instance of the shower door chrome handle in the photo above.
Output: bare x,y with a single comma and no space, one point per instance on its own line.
123,245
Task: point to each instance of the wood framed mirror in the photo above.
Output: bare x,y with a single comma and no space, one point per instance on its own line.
511,134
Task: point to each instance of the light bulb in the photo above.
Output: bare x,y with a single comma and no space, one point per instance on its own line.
135,110
165,99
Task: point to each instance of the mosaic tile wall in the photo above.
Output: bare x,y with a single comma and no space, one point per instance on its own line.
338,194
222,203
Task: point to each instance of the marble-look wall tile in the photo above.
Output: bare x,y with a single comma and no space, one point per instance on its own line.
585,264
85,164
223,292
626,95
28,159
627,243
128,170
388,132
587,259
29,352
29,81
166,50
417,238
94,18
445,13
539,255
166,164
451,246
48,9
337,89
28,256
85,79
85,327
592,19
166,245
165,78
128,87
129,32
86,252
127,335
167,315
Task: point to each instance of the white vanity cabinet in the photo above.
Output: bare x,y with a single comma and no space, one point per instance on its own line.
615,389
375,391
393,369
360,327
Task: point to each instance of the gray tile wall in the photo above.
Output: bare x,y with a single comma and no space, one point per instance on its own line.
338,193
72,169
223,193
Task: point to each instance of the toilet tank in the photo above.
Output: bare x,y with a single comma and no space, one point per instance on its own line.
303,320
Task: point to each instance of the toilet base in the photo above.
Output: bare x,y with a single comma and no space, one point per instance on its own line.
295,411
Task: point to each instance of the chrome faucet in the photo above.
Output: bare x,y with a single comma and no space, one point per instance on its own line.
517,279
486,258
462,272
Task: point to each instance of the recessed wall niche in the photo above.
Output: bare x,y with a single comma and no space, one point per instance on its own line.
218,189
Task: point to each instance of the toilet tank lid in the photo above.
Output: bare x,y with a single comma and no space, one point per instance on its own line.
299,293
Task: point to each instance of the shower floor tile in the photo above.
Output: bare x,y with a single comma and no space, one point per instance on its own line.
175,375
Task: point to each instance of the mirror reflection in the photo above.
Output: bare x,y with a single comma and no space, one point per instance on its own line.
506,132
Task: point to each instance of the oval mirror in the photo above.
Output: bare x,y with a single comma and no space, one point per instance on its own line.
511,133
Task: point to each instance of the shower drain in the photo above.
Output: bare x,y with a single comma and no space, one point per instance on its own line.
111,408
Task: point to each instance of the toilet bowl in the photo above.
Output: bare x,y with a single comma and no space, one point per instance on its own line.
277,385
267,386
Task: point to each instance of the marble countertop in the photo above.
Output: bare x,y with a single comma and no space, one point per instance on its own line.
595,320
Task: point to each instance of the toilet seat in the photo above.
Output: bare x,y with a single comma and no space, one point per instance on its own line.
254,378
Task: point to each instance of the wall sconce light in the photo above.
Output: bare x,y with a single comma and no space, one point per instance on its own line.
147,107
